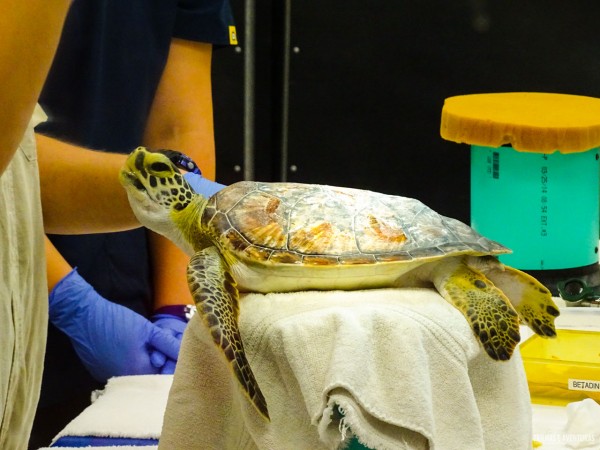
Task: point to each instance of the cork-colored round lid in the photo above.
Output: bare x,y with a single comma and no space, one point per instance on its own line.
528,121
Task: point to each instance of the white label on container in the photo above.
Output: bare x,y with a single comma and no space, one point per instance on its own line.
584,385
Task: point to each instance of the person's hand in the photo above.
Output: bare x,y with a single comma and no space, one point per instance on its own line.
201,185
110,339
173,324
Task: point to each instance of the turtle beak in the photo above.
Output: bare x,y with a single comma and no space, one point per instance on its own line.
130,182
134,181
133,169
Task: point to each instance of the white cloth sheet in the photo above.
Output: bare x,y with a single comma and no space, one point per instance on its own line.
402,363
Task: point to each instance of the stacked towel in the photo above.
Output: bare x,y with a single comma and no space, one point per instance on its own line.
129,410
393,368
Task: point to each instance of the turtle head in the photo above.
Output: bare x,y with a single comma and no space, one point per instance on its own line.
158,193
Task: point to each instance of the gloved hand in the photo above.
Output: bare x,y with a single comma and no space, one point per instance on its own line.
110,339
201,185
173,325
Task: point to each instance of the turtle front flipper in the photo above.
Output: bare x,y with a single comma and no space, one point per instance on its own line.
488,311
532,300
216,297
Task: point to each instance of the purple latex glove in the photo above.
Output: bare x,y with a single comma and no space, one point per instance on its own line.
110,339
175,326
201,185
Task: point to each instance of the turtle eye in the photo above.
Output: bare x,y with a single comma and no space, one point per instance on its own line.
159,167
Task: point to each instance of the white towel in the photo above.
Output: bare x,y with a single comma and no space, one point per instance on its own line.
128,407
582,424
402,364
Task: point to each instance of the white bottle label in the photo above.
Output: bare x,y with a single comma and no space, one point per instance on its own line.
584,385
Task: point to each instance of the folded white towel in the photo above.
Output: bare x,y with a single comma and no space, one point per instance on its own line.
402,364
128,407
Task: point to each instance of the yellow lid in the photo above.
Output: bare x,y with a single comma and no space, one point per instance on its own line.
529,121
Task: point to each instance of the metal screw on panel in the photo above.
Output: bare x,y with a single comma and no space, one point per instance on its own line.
293,168
237,168
238,49
296,49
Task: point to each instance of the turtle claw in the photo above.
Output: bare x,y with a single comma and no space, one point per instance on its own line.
532,300
498,354
498,345
543,330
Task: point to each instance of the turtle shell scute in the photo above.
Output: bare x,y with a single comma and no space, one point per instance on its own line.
257,253
397,256
357,259
320,260
285,257
426,252
236,240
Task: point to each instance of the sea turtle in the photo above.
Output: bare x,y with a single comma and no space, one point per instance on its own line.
282,237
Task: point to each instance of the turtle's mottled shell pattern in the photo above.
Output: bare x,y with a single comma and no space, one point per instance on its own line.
313,224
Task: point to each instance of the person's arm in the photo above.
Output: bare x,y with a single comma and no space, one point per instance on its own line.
110,339
80,189
182,119
29,34
56,266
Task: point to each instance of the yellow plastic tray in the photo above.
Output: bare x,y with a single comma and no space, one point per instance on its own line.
565,369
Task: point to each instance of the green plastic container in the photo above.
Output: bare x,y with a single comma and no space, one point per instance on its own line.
542,206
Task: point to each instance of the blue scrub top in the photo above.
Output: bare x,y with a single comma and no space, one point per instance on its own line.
109,62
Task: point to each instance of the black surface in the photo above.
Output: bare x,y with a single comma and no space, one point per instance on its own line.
369,81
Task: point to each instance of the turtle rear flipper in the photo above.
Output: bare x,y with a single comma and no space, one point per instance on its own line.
216,296
488,311
532,300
